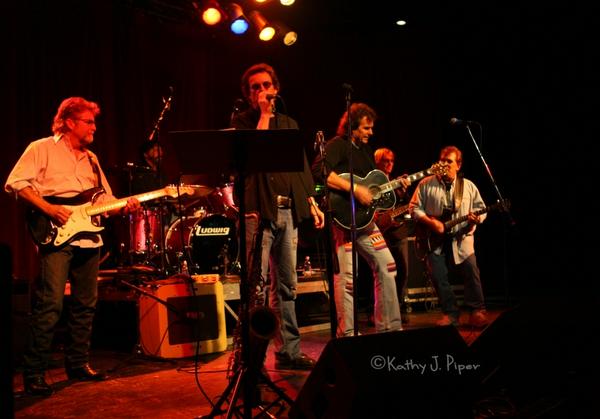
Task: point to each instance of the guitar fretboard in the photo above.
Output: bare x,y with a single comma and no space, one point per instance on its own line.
120,203
394,184
498,205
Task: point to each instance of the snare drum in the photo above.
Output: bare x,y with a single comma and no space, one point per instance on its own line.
211,242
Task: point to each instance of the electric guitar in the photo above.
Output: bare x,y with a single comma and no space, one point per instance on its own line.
426,241
48,235
382,190
385,219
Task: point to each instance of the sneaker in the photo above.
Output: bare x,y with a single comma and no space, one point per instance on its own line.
301,362
478,318
447,320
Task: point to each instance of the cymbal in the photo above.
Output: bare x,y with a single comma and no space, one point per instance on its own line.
200,191
191,193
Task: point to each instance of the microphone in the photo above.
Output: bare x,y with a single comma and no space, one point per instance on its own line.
238,104
271,97
319,140
458,122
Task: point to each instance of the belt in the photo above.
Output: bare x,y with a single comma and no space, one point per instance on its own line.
283,201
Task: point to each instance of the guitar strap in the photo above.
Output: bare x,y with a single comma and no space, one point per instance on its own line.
94,163
458,192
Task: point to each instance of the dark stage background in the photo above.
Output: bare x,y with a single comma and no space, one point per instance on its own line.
522,71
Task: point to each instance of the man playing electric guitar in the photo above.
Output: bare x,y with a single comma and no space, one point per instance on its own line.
63,166
436,199
396,226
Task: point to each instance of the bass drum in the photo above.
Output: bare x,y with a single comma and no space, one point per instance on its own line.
211,242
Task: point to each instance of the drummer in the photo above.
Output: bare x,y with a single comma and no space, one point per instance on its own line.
148,173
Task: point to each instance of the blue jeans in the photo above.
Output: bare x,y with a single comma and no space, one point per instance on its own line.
371,245
80,266
440,267
278,261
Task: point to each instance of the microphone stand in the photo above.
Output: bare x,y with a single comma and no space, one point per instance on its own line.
505,209
348,89
329,250
155,136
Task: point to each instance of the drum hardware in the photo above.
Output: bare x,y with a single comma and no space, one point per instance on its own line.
221,200
209,244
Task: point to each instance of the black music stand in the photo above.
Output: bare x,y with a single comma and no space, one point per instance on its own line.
242,152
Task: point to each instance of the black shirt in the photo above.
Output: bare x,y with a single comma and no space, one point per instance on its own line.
261,189
337,158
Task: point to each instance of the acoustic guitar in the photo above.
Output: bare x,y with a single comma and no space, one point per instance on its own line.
382,190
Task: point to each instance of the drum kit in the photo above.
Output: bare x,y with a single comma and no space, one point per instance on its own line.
189,235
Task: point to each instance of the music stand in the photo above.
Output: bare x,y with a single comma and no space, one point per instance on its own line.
242,152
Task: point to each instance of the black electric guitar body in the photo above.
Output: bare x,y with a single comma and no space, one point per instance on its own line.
426,241
83,220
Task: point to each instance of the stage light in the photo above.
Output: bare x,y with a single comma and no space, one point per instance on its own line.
211,12
265,31
287,35
239,24
286,2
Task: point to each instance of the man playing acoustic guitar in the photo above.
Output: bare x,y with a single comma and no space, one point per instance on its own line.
438,200
369,241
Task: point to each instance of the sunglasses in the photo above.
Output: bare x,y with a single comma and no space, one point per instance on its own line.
264,84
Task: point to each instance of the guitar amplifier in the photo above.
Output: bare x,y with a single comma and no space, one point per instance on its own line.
419,288
178,318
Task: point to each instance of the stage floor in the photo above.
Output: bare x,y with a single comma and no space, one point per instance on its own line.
140,387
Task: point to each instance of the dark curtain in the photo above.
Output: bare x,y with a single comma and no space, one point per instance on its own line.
521,73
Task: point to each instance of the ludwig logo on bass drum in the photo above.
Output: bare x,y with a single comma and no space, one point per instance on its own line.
212,231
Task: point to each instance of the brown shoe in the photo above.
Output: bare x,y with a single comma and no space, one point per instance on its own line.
447,320
478,318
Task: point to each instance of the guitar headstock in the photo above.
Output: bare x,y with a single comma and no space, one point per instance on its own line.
176,190
439,168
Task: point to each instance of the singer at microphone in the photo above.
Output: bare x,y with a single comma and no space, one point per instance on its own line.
283,200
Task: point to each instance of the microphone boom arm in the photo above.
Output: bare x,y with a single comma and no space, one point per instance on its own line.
164,110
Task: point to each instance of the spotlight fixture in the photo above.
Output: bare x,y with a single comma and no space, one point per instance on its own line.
287,35
265,31
211,12
238,22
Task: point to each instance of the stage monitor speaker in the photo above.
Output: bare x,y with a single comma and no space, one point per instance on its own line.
421,373
191,317
542,355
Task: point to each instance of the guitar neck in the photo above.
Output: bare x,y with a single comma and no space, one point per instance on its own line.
403,209
394,184
451,223
120,203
